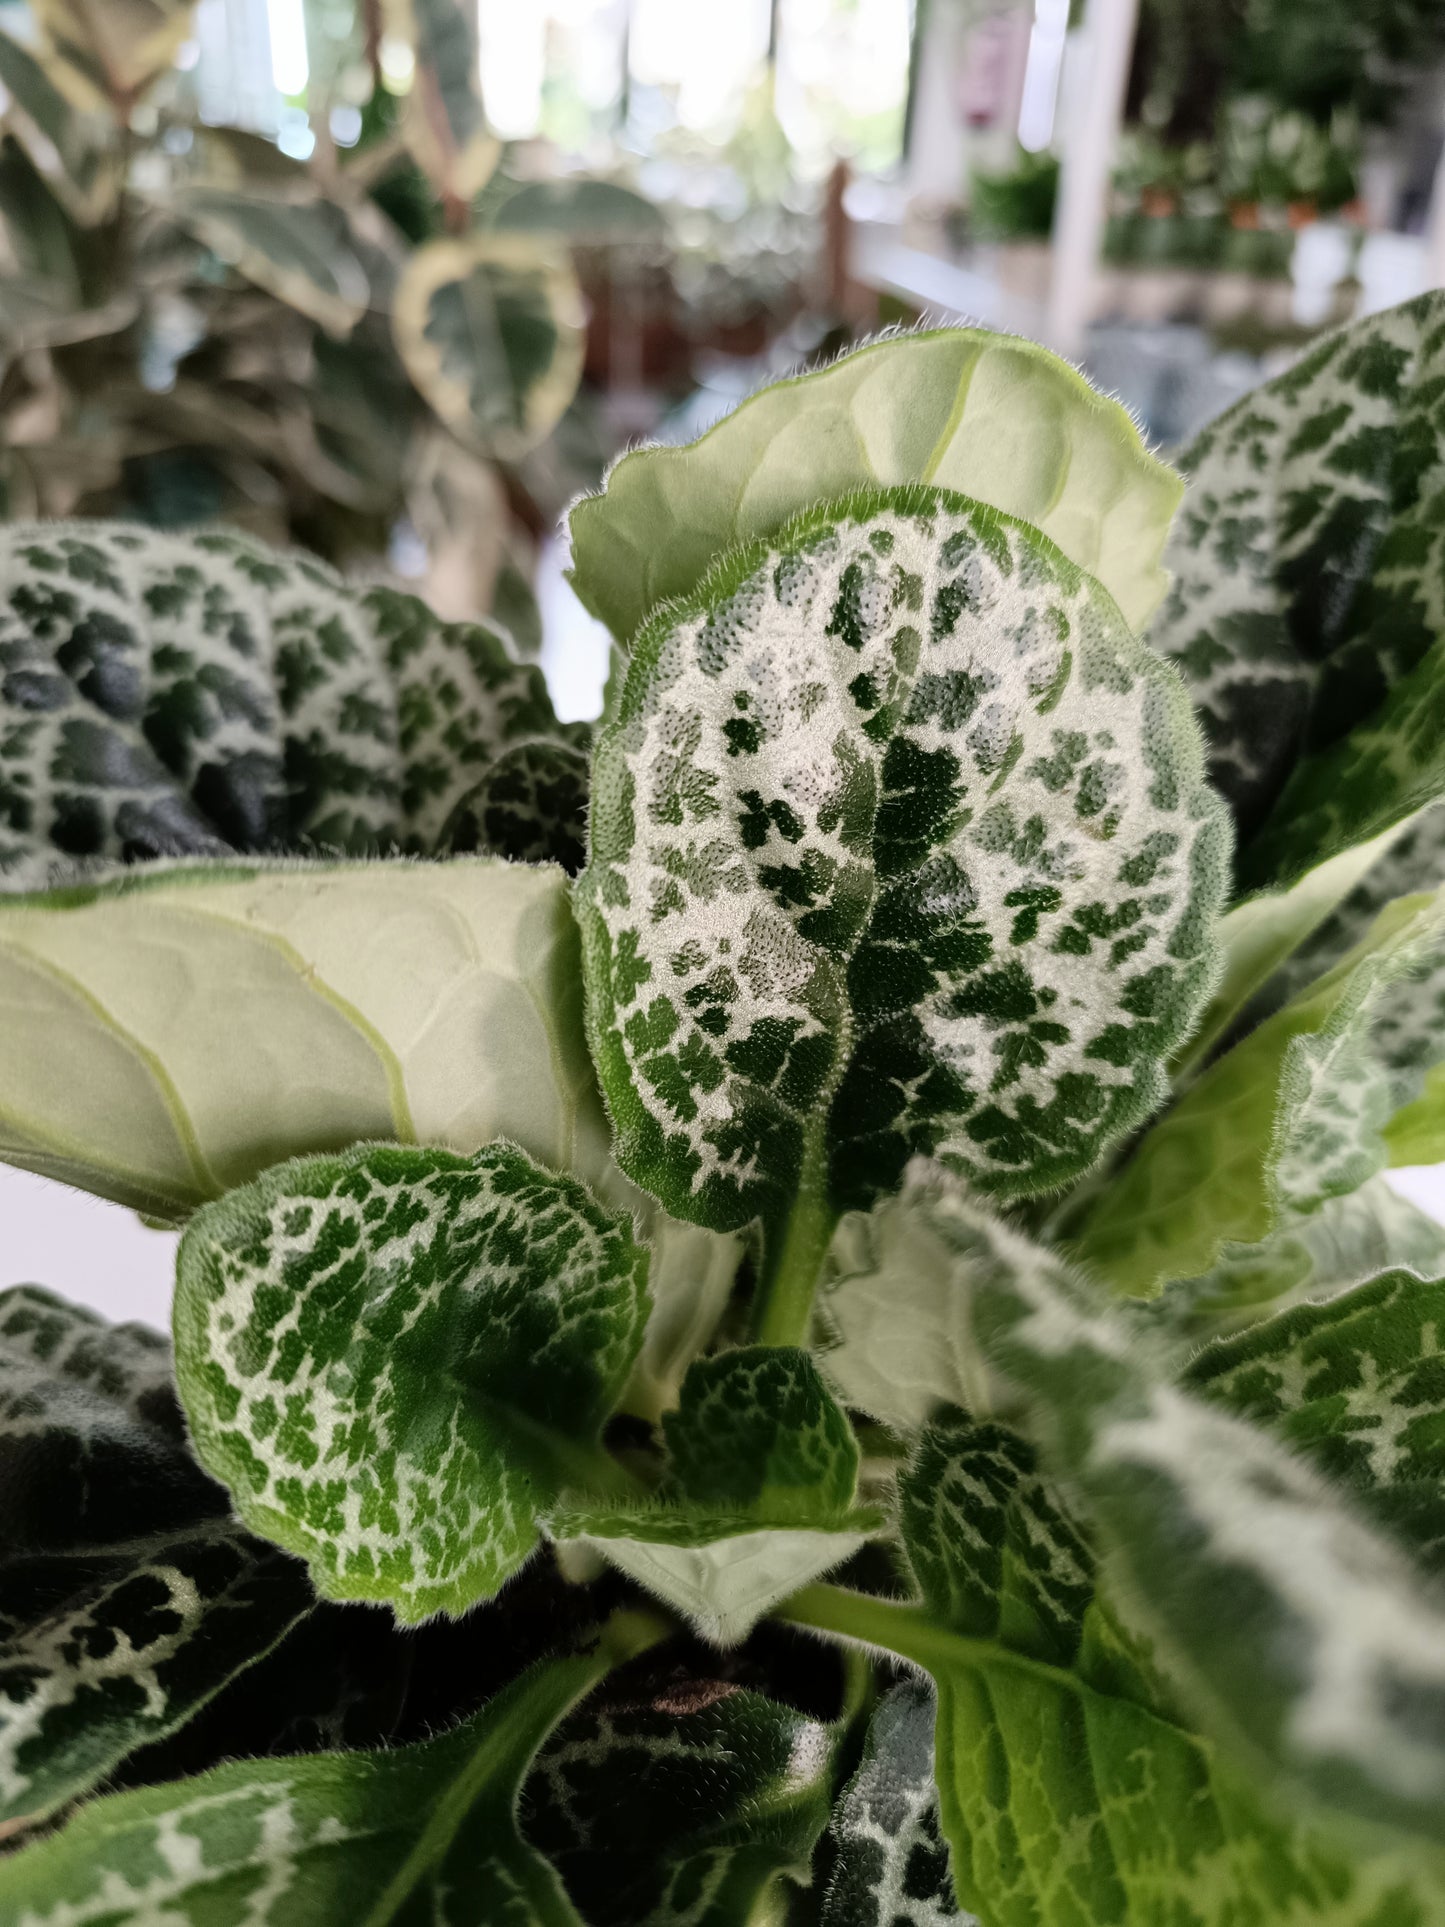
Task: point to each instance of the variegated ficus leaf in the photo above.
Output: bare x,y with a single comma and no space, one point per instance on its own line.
1071,1786
898,842
128,1597
698,1810
1291,1117
758,1495
1306,611
891,1865
442,118
1300,1629
171,1033
995,418
196,695
399,1359
426,1831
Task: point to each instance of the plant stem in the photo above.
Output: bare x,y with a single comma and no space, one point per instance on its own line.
793,1254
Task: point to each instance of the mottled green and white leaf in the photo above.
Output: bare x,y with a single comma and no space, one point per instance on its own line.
1288,1119
758,1497
696,1811
193,695
128,1598
442,118
891,1861
424,1831
530,807
396,1359
1071,1787
173,1033
988,415
1300,1631
1306,569
899,842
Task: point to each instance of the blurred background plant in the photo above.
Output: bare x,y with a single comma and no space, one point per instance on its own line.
372,349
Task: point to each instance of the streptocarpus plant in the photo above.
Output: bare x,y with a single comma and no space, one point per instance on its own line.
855,1363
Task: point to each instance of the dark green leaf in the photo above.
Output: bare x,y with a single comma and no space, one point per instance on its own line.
531,807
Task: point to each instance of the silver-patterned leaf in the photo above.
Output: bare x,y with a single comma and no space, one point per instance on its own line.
899,841
421,1832
1300,1630
397,1358
891,1868
1306,591
1293,1116
196,695
128,1598
696,1811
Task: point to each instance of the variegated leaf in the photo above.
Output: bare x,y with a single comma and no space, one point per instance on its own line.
898,841
193,695
1357,1385
397,1358
490,329
1306,610
891,1868
172,1033
757,1499
995,418
530,807
127,1597
299,249
1301,1631
1291,1117
698,1810
1071,1787
426,1831
442,118
106,53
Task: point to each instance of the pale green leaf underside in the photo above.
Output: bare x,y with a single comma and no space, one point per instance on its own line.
758,1496
1301,1630
397,1358
1306,591
892,1327
424,1831
127,1597
168,695
988,415
898,842
1289,1118
173,1033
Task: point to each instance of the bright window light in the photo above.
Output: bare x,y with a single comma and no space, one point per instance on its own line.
513,49
1040,100
289,66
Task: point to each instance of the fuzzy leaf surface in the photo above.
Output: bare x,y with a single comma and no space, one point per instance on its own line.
530,807
397,1357
1357,1385
1301,1630
128,1598
169,695
1291,1117
173,1033
425,1831
891,1868
988,415
758,1497
1306,570
692,1815
898,841
1070,1787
